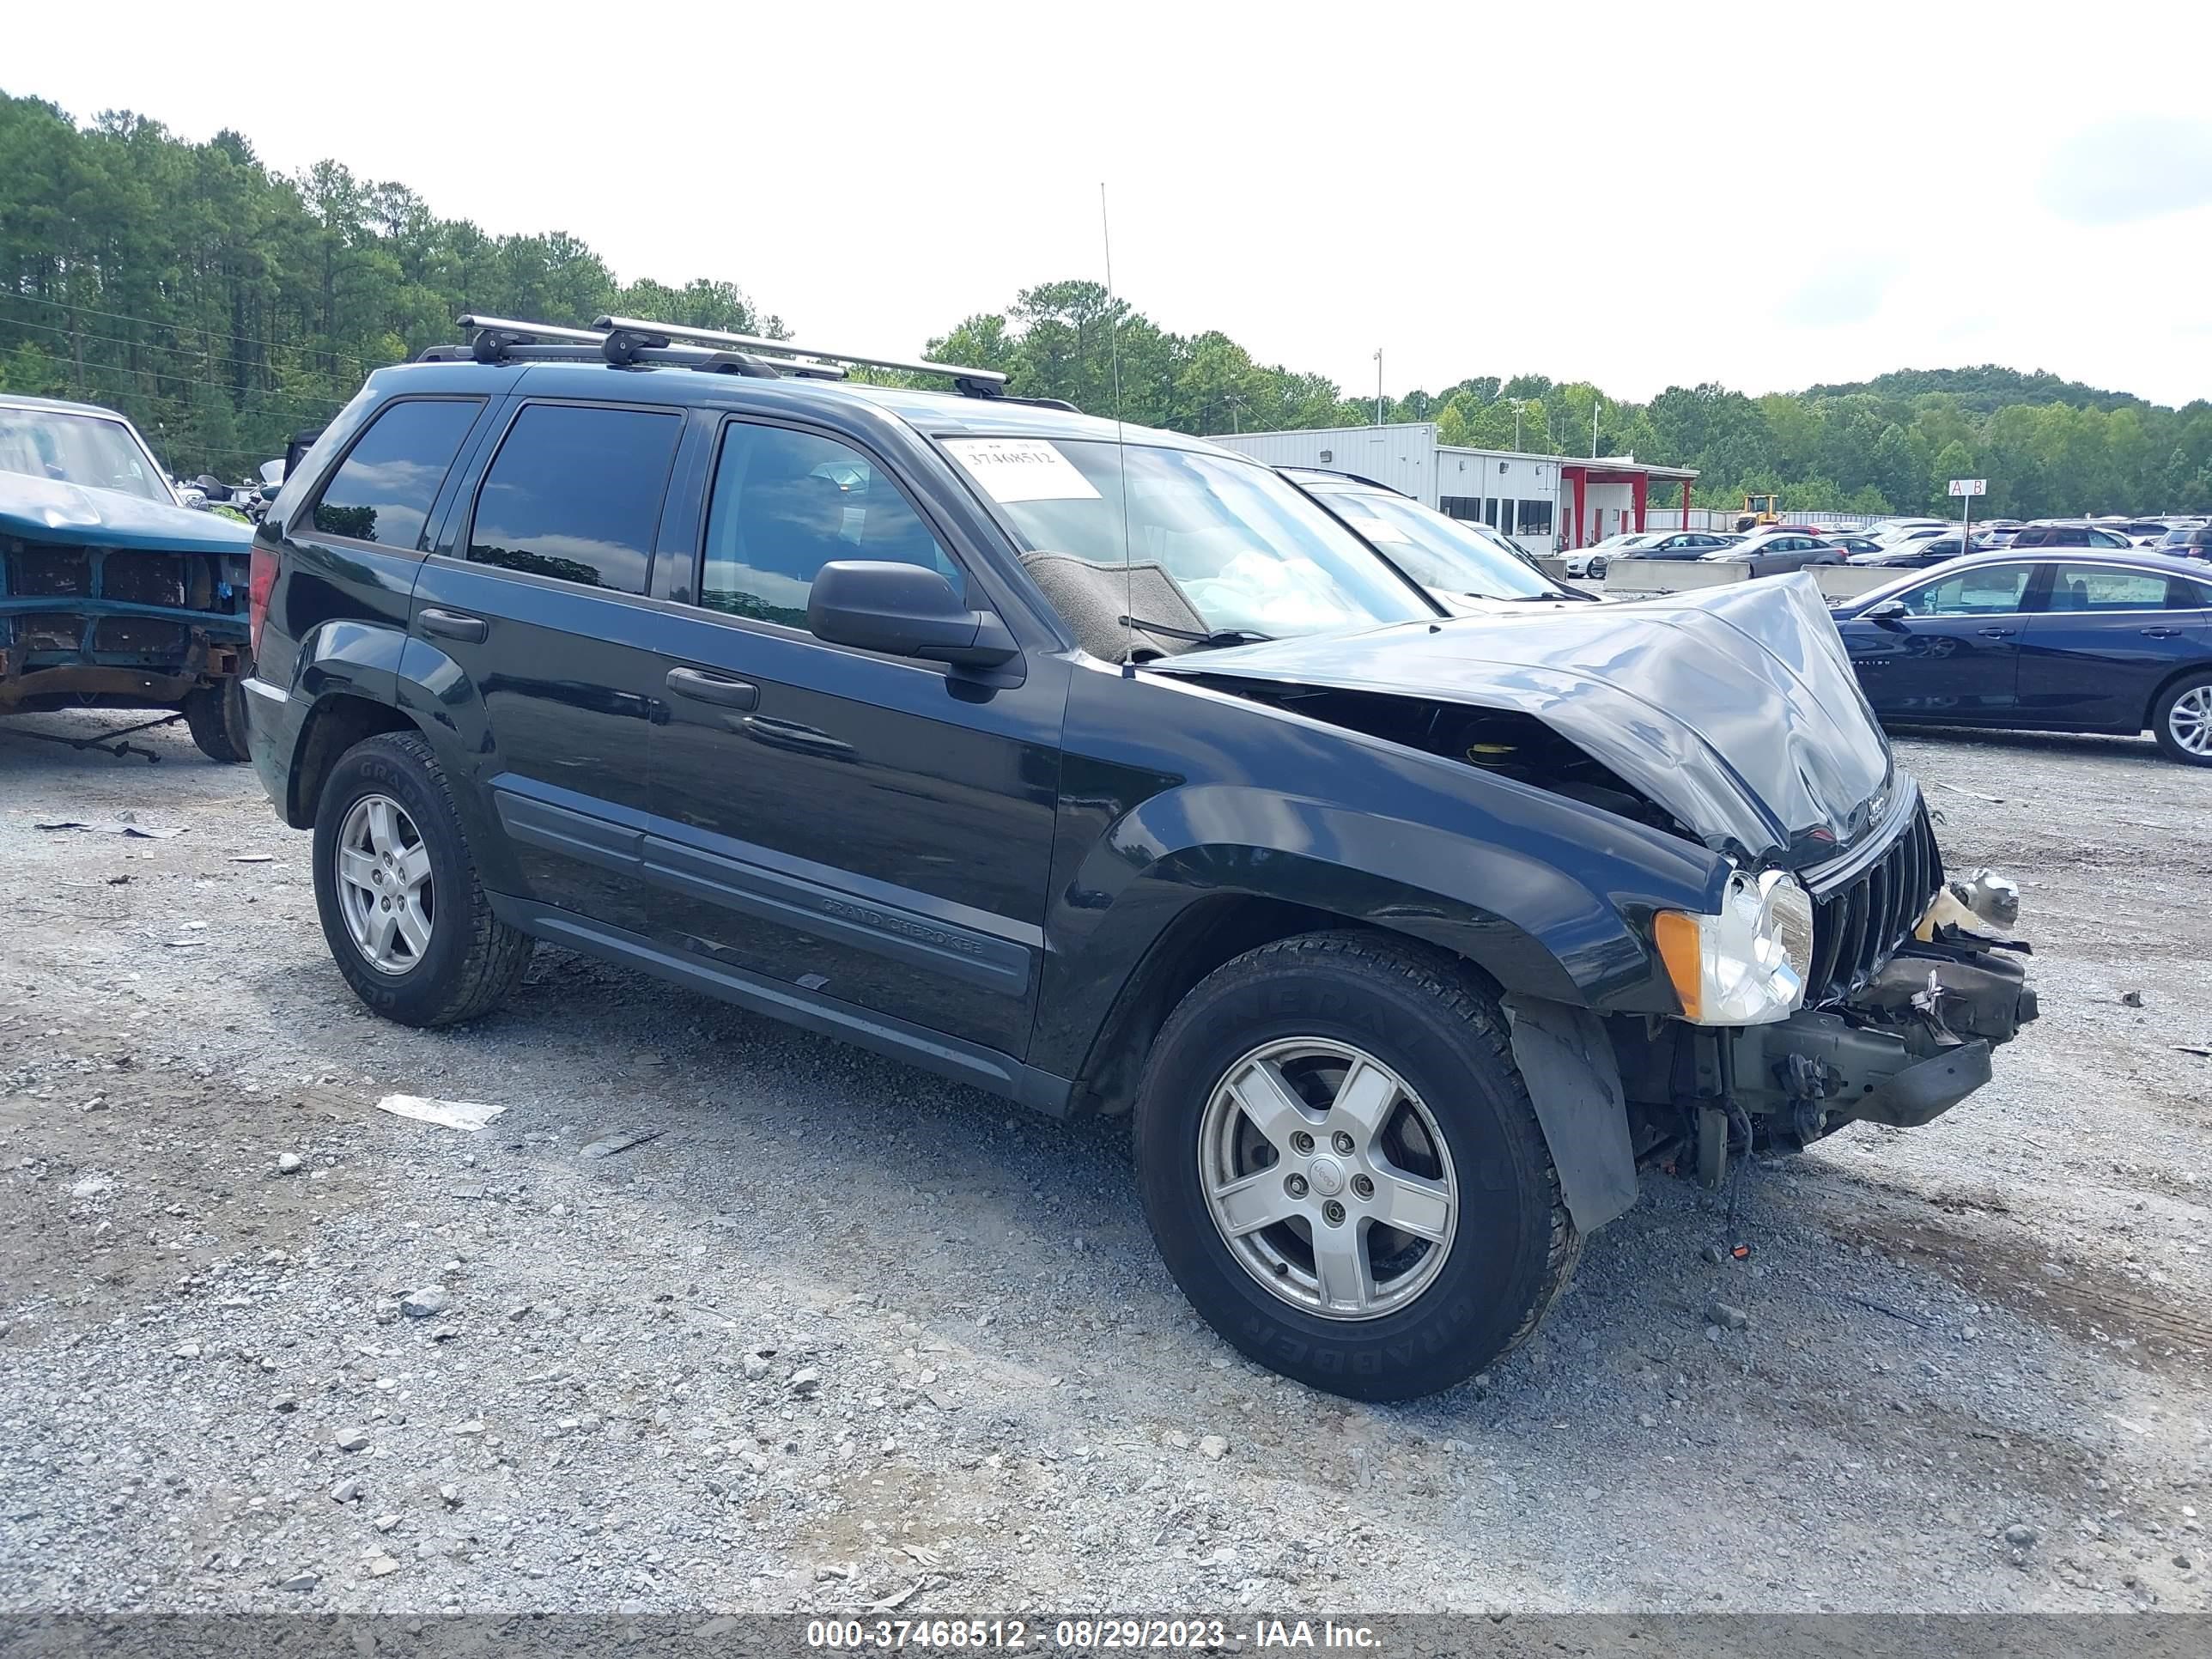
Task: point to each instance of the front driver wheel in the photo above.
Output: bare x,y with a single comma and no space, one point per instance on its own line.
1343,1171
216,716
2183,720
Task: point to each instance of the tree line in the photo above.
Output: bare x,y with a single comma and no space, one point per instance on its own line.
224,305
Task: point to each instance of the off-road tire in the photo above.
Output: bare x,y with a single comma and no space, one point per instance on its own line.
474,959
216,716
2161,713
1421,1014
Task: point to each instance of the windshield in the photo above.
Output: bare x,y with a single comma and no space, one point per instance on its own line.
1247,552
1437,552
78,449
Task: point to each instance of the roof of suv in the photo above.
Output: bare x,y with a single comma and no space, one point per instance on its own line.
940,414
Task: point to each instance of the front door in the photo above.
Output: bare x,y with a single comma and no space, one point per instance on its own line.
1955,654
536,599
869,829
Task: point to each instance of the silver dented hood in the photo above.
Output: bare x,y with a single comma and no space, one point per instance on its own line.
1735,707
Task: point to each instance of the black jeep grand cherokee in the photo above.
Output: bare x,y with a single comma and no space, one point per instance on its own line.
1109,772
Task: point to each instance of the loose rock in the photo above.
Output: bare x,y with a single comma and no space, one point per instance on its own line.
806,1381
431,1300
1727,1315
353,1439
288,1163
1213,1447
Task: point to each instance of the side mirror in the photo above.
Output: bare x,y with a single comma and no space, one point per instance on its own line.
1889,613
903,610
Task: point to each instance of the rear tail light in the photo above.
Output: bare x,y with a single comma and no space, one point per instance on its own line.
257,602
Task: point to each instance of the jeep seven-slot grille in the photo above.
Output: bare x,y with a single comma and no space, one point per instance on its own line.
1857,927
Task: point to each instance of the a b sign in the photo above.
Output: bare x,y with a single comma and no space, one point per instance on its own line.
1970,486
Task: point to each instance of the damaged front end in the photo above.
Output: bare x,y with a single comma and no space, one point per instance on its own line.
84,621
1913,980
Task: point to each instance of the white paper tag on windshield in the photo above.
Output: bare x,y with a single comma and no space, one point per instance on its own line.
1021,470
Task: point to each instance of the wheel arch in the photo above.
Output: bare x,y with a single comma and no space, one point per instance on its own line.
1204,935
2188,671
339,720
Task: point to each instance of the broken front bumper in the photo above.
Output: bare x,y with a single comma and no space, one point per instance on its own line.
1909,1041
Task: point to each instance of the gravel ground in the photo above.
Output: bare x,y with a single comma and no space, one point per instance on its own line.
840,1334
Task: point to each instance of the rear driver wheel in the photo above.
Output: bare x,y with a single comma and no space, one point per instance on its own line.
403,913
2182,721
1342,1169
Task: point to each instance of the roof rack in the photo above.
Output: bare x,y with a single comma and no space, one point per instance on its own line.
971,382
507,339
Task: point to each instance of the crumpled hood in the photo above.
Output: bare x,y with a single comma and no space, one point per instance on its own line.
46,510
1735,709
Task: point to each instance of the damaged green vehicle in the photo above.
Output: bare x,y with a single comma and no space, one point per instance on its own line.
112,593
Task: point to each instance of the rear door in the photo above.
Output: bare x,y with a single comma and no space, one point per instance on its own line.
871,831
1955,654
530,619
2105,638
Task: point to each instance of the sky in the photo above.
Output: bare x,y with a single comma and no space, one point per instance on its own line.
1768,196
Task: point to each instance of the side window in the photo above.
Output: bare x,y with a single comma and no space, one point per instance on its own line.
1984,592
2106,538
384,488
785,504
2190,596
575,493
2033,536
2100,588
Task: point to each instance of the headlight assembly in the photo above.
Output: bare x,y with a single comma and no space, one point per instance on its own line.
1747,965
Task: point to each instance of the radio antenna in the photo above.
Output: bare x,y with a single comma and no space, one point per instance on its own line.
1120,446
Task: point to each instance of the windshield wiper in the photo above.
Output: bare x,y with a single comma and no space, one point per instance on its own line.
1219,636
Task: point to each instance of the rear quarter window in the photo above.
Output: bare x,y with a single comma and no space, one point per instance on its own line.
383,490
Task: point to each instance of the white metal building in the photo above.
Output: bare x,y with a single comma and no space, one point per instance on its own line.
1545,502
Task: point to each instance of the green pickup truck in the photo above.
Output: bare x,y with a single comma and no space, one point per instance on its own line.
113,594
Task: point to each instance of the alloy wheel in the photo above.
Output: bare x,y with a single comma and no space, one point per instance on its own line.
1329,1178
2190,720
384,886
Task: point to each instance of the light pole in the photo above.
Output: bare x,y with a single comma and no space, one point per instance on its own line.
1378,385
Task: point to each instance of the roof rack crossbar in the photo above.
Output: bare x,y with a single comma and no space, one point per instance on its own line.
976,382
508,339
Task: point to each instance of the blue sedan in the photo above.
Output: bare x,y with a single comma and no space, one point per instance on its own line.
2081,641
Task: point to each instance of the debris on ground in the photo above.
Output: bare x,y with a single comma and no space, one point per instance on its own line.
620,1142
125,825
447,1114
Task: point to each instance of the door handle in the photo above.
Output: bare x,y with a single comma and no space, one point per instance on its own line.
1998,633
452,624
2158,632
713,688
